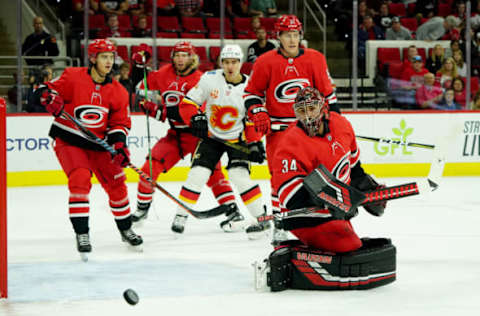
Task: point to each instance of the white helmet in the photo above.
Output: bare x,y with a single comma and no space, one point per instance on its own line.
231,51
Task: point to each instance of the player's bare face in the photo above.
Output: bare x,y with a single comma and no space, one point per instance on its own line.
181,61
231,69
290,42
104,63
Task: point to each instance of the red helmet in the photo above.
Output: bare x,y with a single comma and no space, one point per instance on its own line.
100,46
183,46
288,22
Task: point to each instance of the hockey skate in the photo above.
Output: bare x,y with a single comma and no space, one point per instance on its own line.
141,213
234,222
134,241
83,246
178,225
258,230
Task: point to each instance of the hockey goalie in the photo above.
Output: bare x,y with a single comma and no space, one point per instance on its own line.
328,254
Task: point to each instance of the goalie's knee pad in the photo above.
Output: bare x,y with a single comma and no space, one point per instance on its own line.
299,267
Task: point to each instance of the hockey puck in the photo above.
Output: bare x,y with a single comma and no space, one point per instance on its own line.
130,296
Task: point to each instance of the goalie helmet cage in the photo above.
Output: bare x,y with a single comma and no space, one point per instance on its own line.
3,201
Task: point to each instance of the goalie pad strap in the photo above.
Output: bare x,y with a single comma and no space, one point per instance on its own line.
299,267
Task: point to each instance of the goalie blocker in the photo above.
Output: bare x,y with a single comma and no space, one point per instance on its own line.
294,266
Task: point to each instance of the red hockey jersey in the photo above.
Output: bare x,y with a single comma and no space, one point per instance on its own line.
102,108
171,86
276,79
298,154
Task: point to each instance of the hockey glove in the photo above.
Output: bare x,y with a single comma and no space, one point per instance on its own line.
52,102
257,152
158,112
367,183
260,118
141,57
199,125
122,157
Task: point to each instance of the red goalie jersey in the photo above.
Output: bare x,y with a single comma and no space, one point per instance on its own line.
299,154
276,80
102,108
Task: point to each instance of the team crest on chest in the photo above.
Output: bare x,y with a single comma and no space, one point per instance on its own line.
223,117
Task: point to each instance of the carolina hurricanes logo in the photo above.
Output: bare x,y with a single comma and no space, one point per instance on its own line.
172,97
92,116
286,92
223,117
342,169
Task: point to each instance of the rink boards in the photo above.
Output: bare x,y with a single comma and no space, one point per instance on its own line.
31,160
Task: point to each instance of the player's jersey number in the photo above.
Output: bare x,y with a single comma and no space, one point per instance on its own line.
288,166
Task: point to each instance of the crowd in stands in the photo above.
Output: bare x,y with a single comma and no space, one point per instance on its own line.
422,79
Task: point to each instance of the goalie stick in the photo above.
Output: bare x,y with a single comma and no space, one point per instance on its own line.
342,198
216,211
279,128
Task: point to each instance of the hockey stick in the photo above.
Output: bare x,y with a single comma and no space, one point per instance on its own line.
216,211
397,142
147,116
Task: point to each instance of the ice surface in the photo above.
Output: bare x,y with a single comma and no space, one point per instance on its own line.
208,272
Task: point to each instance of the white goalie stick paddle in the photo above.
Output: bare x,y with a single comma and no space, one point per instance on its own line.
216,211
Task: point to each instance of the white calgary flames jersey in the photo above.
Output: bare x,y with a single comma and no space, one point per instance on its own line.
223,103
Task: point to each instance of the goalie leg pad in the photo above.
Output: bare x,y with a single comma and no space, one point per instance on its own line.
299,267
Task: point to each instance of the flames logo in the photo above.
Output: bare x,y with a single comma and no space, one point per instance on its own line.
172,97
223,117
286,92
91,116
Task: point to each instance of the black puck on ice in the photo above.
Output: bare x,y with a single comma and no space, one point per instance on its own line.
131,296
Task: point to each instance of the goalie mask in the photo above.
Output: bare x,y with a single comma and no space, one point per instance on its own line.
311,109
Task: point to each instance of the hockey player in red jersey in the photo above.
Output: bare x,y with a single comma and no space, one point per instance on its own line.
277,77
101,104
173,81
320,137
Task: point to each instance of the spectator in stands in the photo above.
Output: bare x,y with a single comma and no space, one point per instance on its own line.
125,79
256,23
37,77
397,31
436,28
112,28
428,95
189,8
384,18
412,79
435,62
475,104
448,101
136,7
39,43
262,8
428,8
363,11
460,11
78,9
412,52
260,46
117,7
237,8
141,29
454,46
164,7
458,86
12,93
461,65
367,31
447,73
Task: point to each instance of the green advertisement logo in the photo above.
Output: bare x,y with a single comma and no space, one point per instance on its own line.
401,134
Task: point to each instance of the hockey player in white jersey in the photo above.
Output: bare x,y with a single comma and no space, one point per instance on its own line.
224,119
